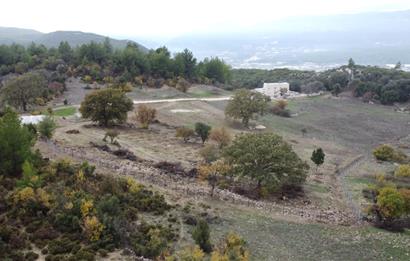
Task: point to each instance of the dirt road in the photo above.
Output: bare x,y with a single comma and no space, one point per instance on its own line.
182,100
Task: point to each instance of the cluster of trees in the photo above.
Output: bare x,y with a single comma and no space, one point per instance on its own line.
369,82
101,62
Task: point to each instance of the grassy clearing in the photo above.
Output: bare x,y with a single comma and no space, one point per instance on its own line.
65,112
281,240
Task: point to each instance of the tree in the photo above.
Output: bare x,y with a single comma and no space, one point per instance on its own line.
351,64
398,66
267,159
145,115
46,127
185,133
202,130
211,173
245,104
215,69
220,136
201,235
23,90
318,157
185,64
336,89
106,106
15,144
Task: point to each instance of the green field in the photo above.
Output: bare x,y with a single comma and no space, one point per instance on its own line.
65,112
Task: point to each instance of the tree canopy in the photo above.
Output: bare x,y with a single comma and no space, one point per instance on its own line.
267,159
106,106
246,104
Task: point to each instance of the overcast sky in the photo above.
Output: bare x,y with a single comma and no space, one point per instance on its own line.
169,18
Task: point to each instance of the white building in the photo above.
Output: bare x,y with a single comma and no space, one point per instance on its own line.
274,90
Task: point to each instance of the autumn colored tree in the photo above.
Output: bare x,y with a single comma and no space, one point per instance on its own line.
106,106
390,203
212,172
220,136
233,247
145,115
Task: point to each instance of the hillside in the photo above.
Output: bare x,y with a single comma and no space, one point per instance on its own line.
10,35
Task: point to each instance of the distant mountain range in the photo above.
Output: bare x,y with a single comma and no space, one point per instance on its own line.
310,42
9,35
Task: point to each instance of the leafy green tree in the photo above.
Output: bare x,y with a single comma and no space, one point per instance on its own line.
318,157
351,64
215,69
185,64
246,104
201,235
106,106
15,144
46,127
23,90
66,52
267,159
202,130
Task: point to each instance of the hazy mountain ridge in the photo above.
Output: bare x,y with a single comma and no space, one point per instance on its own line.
10,35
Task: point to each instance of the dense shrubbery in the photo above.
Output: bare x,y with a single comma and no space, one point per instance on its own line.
387,153
66,209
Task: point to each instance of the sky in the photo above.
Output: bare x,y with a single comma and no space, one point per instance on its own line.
172,18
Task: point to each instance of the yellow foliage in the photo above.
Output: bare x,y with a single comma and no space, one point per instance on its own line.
232,248
24,195
221,136
43,197
69,205
145,115
93,228
191,254
86,207
133,186
402,171
80,176
216,168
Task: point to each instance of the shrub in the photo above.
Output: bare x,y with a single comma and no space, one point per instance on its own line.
390,203
194,253
182,85
402,170
387,153
184,133
93,228
232,248
220,136
210,153
112,134
201,235
47,127
202,130
145,115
